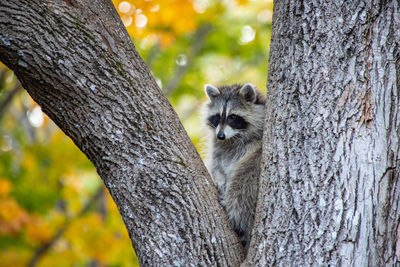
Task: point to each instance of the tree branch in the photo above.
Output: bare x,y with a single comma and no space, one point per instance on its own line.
78,63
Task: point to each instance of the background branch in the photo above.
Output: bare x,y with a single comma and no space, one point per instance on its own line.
197,46
8,97
47,245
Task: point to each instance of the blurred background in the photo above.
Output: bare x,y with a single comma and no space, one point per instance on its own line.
54,210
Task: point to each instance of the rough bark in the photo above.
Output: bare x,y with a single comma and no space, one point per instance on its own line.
330,184
77,61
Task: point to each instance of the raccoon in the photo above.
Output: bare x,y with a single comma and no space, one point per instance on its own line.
235,118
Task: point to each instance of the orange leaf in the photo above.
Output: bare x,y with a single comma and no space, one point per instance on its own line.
5,187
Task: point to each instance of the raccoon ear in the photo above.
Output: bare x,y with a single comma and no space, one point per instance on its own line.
211,91
248,92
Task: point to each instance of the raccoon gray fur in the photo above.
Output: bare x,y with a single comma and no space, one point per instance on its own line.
235,116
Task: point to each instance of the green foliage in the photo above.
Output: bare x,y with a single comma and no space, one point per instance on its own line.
51,194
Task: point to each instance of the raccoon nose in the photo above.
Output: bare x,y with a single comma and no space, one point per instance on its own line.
221,136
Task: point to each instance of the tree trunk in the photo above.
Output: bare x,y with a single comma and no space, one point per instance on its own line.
330,185
77,61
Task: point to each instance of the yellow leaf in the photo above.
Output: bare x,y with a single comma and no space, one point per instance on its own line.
5,187
242,2
12,217
38,230
14,257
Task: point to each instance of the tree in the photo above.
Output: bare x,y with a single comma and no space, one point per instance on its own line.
330,181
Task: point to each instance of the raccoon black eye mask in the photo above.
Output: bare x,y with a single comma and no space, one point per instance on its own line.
214,120
236,122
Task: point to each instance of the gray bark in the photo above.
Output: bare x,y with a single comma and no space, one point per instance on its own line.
330,183
77,61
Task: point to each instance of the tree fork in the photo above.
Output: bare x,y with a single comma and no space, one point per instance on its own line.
78,63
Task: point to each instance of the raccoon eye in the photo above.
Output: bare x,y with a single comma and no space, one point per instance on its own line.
237,122
214,120
232,117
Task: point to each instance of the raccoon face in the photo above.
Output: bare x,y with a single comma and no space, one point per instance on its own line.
229,108
227,126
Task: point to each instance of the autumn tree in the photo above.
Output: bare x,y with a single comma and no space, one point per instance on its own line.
329,189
